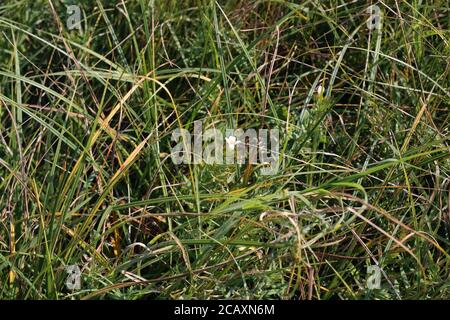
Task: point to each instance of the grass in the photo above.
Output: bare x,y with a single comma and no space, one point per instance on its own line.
86,118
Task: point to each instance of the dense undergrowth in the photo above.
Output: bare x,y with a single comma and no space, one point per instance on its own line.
86,179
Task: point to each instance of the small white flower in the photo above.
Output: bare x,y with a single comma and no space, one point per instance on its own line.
320,90
232,142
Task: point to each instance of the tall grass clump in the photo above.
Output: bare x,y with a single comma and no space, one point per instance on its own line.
86,178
